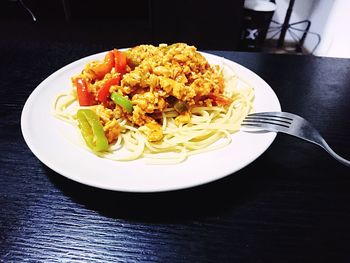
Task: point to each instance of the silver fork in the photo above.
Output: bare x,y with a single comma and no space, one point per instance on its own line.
290,124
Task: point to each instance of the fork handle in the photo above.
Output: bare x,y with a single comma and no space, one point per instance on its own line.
325,146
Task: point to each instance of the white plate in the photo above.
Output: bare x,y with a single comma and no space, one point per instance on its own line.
45,136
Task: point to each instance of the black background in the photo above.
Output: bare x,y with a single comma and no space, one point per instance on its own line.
206,24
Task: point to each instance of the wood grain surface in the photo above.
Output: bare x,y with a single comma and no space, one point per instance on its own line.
290,205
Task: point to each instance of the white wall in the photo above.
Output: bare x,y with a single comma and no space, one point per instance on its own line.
329,18
336,32
319,17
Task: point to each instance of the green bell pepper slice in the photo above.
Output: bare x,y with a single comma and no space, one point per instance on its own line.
92,130
122,101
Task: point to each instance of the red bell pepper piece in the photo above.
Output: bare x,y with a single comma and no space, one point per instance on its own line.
119,61
100,70
103,92
85,97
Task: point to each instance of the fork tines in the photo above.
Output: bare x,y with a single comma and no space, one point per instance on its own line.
263,118
291,124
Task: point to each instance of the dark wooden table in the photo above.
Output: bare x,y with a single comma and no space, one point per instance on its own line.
291,205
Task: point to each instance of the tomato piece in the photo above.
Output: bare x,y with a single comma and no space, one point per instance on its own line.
103,92
85,97
100,70
119,61
219,99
